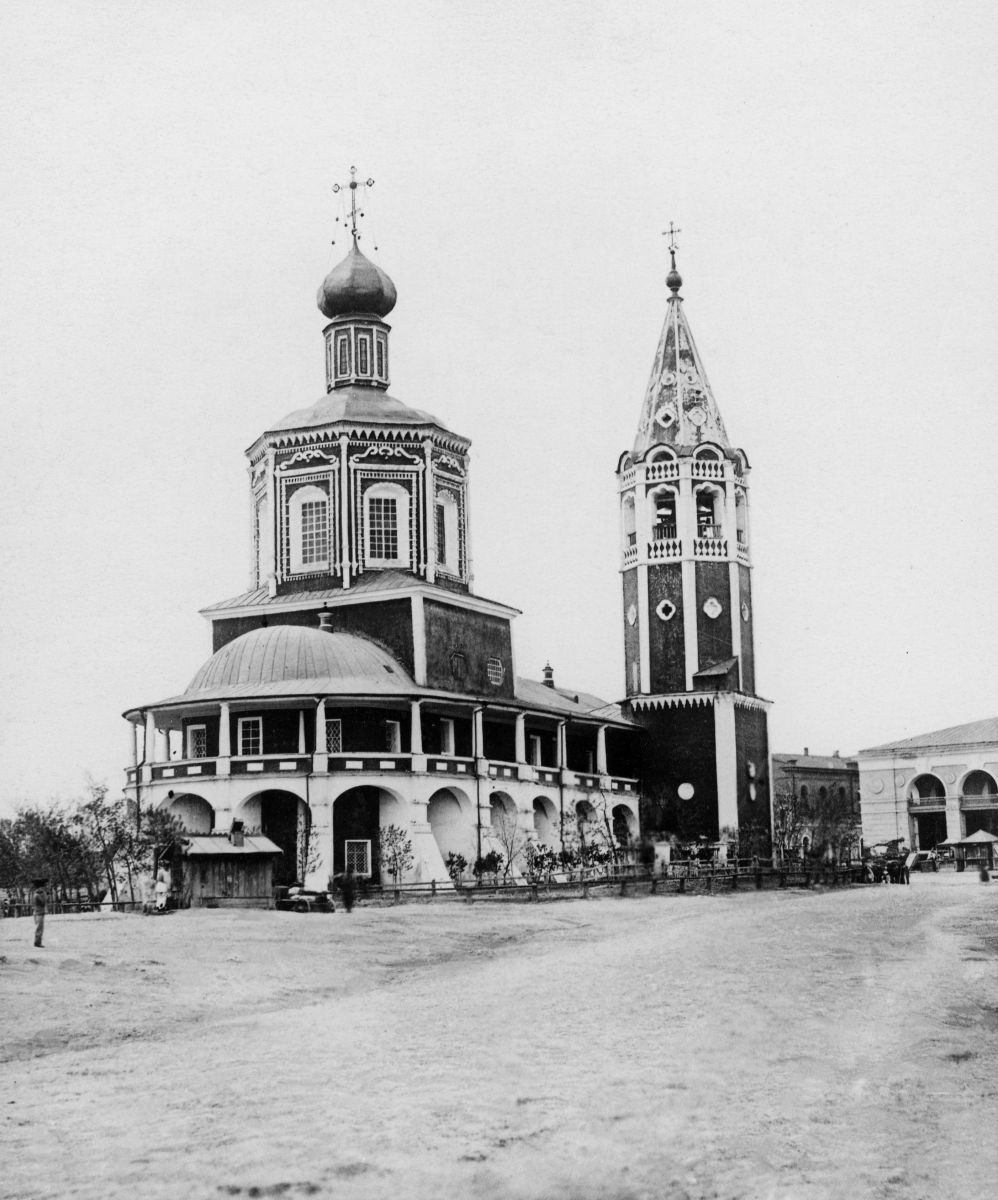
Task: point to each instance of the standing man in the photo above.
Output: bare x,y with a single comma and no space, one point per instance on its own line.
39,900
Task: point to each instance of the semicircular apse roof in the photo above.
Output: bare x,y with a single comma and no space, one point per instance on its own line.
290,659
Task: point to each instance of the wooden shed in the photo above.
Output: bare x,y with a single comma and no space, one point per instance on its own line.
227,870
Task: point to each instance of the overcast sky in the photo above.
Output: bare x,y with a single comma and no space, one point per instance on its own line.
166,216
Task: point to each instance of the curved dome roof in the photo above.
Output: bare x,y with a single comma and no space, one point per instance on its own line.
356,405
356,285
290,659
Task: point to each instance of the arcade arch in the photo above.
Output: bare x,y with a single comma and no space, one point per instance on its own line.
285,819
452,823
193,812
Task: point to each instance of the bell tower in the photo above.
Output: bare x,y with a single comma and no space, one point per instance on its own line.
687,598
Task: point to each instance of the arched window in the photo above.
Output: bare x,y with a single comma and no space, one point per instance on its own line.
386,525
446,526
665,514
308,520
708,513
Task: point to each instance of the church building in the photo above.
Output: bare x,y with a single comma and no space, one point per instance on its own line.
360,683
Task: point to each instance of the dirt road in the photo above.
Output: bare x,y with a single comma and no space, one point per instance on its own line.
778,1044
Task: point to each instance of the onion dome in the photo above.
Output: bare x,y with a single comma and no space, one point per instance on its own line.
674,281
291,659
356,285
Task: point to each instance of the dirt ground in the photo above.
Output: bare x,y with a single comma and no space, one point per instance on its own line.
777,1045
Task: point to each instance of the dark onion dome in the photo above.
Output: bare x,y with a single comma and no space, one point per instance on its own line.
674,281
291,659
356,285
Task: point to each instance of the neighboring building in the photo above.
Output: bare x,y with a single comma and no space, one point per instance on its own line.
816,801
940,786
360,682
687,598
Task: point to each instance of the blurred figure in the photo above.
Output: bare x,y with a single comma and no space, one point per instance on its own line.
39,904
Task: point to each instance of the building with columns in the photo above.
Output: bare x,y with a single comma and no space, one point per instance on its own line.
687,599
934,787
359,682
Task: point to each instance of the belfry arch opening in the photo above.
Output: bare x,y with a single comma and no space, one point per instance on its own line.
664,503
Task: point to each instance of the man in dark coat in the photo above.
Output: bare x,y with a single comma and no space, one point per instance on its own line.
39,900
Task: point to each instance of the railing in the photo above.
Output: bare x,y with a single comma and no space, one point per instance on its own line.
661,470
449,765
926,801
663,530
257,764
665,550
985,801
630,555
710,547
182,768
369,760
705,468
708,530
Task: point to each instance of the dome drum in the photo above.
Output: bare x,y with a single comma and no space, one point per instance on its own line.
356,352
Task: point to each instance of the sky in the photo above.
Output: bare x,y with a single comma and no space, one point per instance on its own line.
166,215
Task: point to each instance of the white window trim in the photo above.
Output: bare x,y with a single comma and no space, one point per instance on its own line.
451,561
365,874
400,495
243,723
189,740
300,497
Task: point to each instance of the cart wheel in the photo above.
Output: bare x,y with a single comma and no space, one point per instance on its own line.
301,907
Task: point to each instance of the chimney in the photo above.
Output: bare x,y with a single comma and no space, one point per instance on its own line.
548,675
236,833
326,620
807,753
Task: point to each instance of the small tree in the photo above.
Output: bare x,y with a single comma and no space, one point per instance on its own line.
791,819
456,865
512,839
395,851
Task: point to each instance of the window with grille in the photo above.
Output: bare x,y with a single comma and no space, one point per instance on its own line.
314,532
250,735
357,857
197,741
495,671
334,735
382,532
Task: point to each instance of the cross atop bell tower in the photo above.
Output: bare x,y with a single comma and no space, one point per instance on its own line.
353,185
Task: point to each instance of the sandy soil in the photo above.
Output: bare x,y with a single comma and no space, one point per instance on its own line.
776,1045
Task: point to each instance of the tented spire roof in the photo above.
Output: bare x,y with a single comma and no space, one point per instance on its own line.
679,407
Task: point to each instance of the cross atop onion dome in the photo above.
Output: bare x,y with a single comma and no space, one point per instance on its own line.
355,285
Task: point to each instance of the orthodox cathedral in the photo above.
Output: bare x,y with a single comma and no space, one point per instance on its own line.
360,683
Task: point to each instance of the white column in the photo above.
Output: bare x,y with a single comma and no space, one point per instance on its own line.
601,751
478,746
726,761
521,737
345,510
320,727
560,744
735,602
301,731
429,514
416,728
149,743
133,745
644,633
224,742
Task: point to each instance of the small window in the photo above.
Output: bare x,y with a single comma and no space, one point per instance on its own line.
250,735
441,518
343,353
357,857
363,354
334,735
495,671
384,533
197,741
458,665
386,518
393,737
314,533
446,736
379,350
